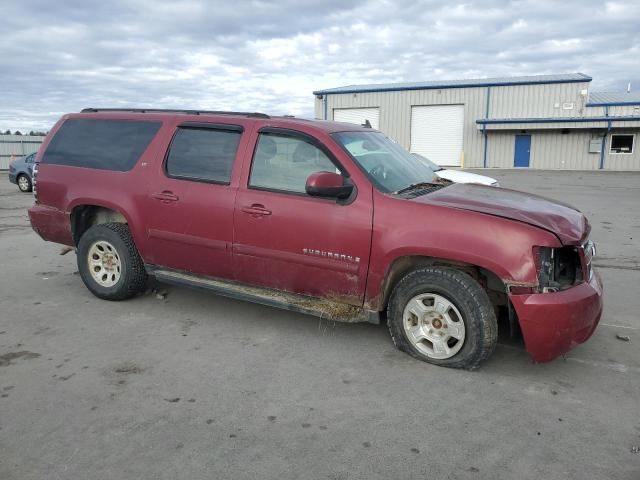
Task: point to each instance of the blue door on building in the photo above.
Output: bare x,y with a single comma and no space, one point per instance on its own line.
523,151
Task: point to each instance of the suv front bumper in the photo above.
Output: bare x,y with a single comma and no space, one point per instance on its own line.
554,323
12,177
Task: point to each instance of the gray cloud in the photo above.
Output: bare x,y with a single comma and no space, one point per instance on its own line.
59,57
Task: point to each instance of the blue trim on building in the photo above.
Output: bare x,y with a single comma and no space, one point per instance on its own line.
602,149
435,86
604,139
487,121
610,104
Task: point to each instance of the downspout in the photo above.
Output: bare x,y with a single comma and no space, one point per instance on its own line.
604,138
484,129
326,101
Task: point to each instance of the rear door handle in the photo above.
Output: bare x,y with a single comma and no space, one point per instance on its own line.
256,210
165,197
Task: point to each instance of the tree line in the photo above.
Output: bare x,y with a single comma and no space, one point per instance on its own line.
18,132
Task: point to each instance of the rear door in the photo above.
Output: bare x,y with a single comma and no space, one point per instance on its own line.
288,240
191,200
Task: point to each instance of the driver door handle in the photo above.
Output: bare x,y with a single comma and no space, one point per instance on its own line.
256,210
165,196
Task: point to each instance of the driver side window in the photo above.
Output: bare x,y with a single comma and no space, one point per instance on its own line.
284,162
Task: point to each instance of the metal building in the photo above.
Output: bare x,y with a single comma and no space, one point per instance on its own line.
16,146
541,121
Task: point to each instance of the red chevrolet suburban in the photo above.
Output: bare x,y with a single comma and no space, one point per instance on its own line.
324,218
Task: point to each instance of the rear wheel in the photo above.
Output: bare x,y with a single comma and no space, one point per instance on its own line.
109,263
442,316
24,183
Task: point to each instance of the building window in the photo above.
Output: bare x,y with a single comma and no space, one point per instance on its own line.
621,144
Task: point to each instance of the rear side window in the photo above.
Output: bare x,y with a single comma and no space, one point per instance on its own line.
102,144
203,154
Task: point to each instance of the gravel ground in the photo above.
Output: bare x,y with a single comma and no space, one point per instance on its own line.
197,386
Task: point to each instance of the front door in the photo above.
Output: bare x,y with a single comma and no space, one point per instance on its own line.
189,217
288,240
523,151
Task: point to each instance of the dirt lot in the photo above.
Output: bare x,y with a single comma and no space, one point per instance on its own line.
197,386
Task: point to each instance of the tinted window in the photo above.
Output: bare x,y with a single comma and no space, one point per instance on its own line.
104,144
284,162
203,154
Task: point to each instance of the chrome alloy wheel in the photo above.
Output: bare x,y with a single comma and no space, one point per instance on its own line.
104,263
23,183
434,326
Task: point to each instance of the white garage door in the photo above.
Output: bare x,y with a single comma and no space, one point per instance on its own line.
436,133
357,115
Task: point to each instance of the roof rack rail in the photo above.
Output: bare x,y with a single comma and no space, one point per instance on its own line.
163,110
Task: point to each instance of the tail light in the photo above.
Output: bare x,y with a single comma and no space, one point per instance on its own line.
34,181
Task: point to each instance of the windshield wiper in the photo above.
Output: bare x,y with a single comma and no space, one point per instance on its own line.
413,186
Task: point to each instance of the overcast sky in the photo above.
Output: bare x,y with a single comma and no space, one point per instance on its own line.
58,56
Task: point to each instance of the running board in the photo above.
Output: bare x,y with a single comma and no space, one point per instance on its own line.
319,307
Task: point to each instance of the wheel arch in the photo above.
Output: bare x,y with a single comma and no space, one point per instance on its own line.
490,281
85,215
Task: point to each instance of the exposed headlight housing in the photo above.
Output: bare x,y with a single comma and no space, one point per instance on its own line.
559,268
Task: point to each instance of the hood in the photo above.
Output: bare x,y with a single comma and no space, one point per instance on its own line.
563,220
458,176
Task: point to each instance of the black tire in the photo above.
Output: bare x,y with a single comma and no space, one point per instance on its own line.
29,186
460,289
133,276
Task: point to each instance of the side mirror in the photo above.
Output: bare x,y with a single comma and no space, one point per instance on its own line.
328,184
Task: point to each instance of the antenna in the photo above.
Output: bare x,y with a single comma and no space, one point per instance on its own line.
629,87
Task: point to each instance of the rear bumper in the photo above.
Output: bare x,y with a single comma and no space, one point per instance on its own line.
554,323
51,224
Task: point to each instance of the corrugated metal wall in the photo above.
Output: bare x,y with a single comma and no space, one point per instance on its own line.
549,147
395,112
552,149
614,111
17,146
623,161
547,100
500,150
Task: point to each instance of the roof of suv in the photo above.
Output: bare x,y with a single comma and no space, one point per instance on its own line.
221,116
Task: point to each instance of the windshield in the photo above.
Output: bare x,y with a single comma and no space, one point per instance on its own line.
388,165
432,165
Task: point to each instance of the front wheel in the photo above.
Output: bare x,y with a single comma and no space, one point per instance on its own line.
109,263
24,183
442,316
